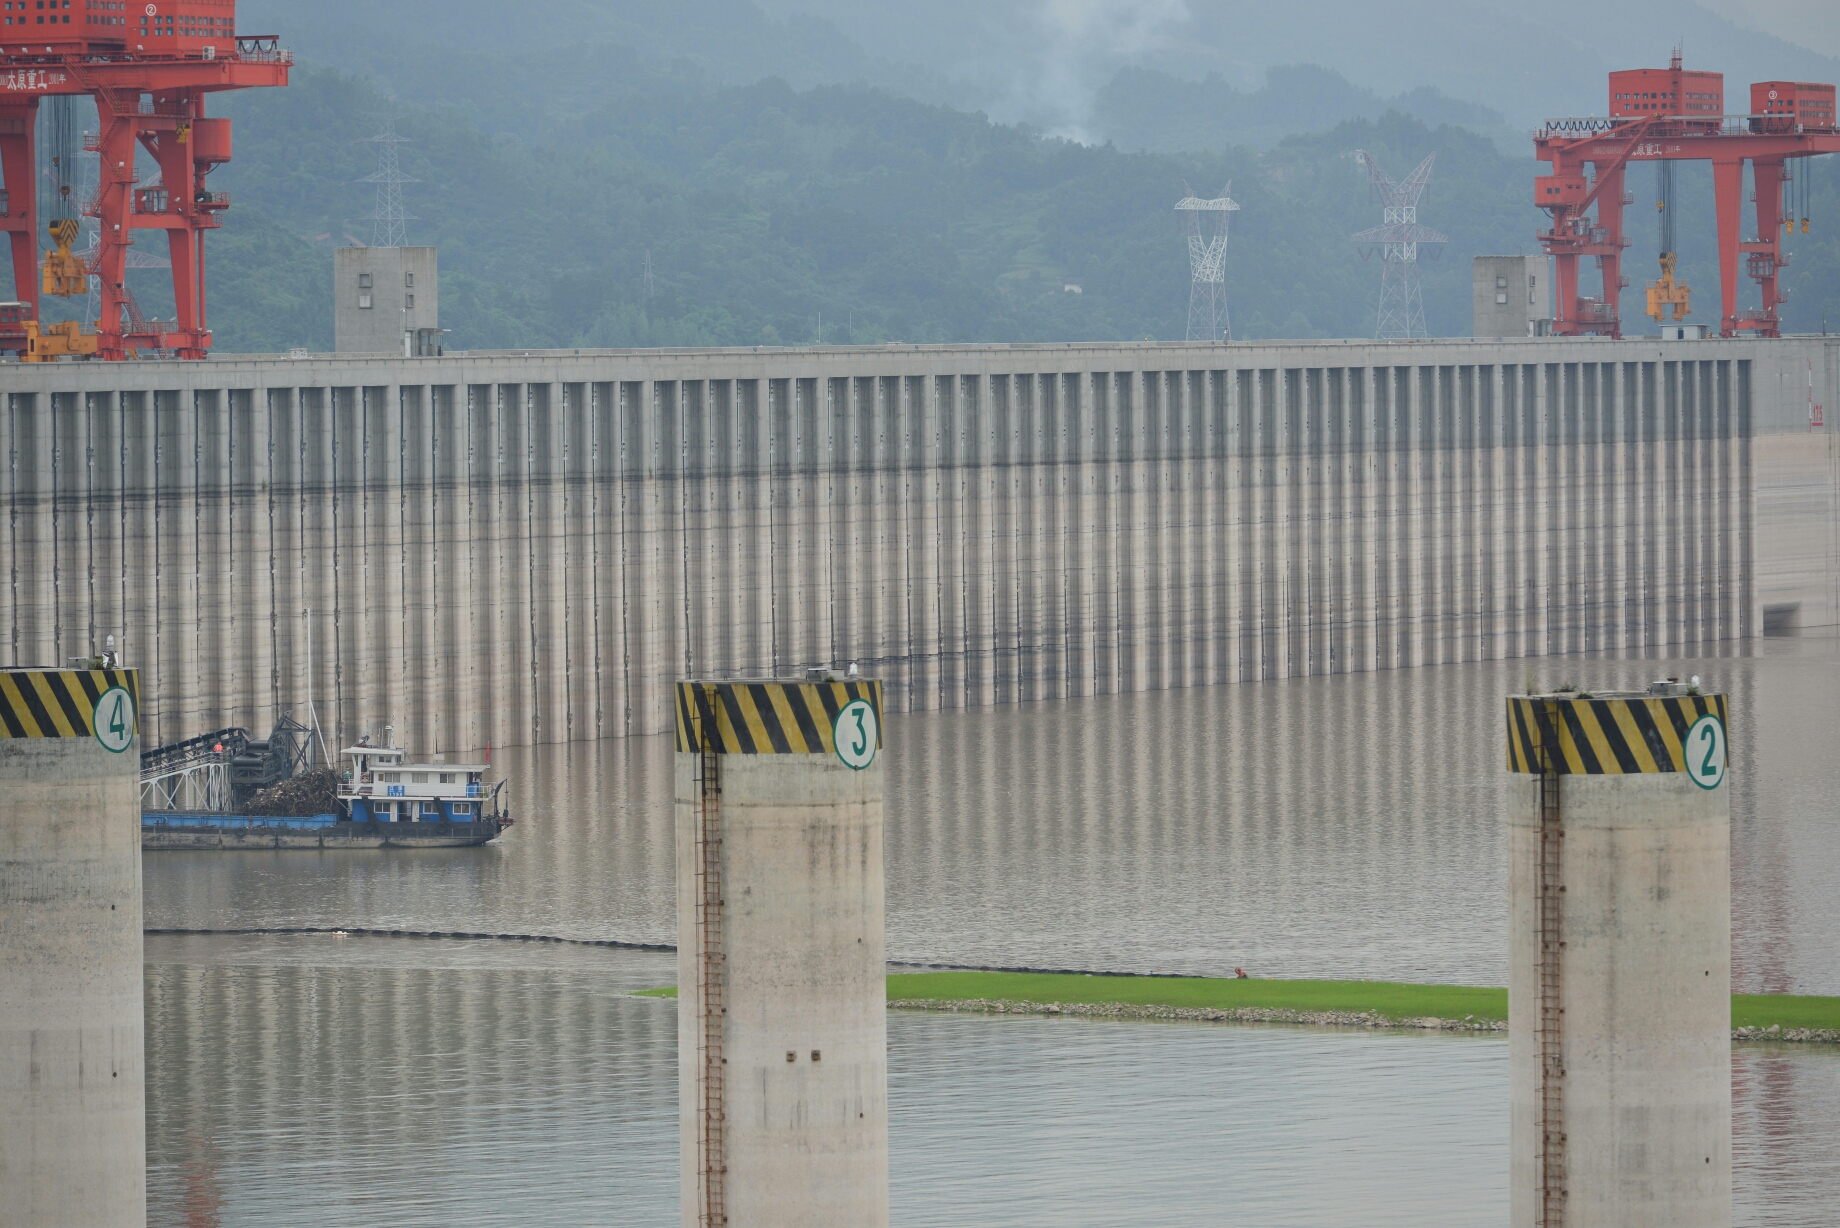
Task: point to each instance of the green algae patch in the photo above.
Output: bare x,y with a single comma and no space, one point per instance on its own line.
1786,1011
1387,999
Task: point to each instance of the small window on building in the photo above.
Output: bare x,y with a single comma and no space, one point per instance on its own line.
364,281
409,279
364,302
1501,283
408,300
1501,296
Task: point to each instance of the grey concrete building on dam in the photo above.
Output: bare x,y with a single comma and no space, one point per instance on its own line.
530,547
386,300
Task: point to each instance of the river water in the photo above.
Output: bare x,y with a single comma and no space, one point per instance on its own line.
1323,827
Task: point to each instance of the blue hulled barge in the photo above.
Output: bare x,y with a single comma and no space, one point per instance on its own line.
384,801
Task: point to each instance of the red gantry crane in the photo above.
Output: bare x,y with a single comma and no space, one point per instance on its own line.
1671,114
148,66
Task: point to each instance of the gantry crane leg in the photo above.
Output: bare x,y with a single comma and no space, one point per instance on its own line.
17,163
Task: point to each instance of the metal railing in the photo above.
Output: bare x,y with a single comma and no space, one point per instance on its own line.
212,770
1680,125
202,787
262,49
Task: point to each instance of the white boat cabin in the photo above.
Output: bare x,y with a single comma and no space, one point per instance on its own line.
382,786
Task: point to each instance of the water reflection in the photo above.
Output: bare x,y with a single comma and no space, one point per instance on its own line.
1344,826
1340,826
1033,1121
330,1081
350,1086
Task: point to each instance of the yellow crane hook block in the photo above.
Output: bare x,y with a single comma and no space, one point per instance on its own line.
1669,293
50,342
66,276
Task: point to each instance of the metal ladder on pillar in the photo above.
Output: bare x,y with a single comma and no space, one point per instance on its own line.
711,981
1550,1212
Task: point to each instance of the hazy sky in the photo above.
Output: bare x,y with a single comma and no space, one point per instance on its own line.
1045,60
1814,24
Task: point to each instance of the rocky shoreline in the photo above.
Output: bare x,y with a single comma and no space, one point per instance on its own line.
1257,1014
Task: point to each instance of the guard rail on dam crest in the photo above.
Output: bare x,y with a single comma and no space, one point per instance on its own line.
513,548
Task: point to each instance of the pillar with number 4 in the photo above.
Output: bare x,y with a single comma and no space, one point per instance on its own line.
782,1043
1619,973
72,1093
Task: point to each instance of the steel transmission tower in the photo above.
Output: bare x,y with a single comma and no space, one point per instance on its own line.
1207,263
389,221
1402,305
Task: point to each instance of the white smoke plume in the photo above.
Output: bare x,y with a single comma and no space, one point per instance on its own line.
1082,43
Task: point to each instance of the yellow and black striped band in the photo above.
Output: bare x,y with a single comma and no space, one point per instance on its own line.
1604,737
768,718
59,703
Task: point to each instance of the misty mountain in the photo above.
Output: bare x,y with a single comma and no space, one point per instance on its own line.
775,216
1142,73
1045,62
552,176
1141,108
553,60
551,65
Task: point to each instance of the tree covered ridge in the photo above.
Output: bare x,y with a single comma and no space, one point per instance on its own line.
773,216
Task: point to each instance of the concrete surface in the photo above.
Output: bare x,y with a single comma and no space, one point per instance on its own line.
1509,295
382,293
72,1084
805,1041
1646,977
524,548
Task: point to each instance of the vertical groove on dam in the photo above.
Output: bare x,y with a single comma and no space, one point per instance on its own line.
517,560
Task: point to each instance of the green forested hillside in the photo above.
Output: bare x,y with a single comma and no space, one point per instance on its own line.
774,216
770,215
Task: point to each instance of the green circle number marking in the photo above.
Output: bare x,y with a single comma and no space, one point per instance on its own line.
1705,751
855,734
113,719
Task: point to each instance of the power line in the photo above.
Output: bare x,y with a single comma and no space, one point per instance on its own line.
1401,311
1207,260
389,219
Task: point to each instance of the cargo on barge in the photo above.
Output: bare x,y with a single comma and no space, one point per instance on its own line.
384,802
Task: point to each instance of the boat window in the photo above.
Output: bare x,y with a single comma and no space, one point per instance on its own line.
388,777
419,778
463,807
447,778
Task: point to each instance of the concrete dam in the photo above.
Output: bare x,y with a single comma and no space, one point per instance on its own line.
509,548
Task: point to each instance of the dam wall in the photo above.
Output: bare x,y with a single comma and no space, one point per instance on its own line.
512,548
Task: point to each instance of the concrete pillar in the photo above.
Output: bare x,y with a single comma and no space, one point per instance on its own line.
781,1034
1619,976
73,1148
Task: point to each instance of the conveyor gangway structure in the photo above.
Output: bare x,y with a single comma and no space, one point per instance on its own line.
213,772
1672,114
149,68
